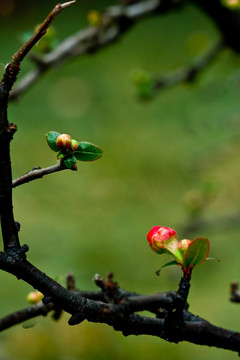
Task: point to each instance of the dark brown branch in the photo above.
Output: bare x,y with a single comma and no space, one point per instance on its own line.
24,50
37,173
8,225
136,303
26,314
121,318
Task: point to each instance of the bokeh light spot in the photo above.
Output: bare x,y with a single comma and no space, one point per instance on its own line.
70,97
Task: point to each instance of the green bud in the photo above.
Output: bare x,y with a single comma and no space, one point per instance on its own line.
70,162
34,297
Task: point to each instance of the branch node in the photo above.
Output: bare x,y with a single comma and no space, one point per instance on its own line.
11,129
15,254
17,225
47,300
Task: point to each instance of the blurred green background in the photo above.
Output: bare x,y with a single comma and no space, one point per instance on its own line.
158,156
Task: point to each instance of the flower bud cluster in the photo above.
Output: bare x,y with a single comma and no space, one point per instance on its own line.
69,150
66,144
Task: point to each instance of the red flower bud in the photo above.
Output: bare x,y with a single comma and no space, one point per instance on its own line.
64,142
164,240
158,236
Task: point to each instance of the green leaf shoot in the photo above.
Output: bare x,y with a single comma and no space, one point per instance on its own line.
88,151
69,161
170,263
196,253
51,140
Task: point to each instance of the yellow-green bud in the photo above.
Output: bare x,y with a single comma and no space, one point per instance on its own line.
34,297
74,145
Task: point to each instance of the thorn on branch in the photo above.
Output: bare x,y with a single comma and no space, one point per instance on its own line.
71,282
64,5
18,226
112,293
11,129
235,293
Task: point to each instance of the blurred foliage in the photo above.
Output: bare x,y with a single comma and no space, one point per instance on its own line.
96,220
46,44
231,4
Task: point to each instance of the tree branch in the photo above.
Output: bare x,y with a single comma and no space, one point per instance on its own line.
111,305
188,74
9,228
26,314
121,316
116,21
37,173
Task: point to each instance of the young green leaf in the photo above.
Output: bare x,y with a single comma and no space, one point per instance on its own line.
88,151
60,155
196,253
51,139
170,263
69,161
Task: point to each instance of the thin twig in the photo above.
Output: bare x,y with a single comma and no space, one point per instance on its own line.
37,173
195,329
8,224
26,314
188,74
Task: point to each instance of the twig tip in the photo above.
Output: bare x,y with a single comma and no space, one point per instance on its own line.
66,4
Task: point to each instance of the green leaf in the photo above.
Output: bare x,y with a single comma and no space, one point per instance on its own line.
69,161
88,151
51,139
170,263
196,253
